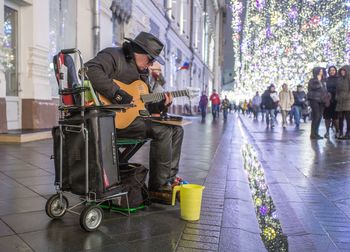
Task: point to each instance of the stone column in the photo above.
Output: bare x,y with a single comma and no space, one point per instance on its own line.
39,110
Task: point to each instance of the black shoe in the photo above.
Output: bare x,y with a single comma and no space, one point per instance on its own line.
339,135
347,136
315,137
326,135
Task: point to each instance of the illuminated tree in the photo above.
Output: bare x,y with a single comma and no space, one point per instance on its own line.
282,40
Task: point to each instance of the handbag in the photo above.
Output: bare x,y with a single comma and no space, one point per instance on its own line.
326,99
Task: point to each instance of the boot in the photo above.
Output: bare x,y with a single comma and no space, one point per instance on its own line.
162,195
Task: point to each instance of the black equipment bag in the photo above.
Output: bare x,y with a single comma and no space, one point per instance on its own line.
133,177
103,169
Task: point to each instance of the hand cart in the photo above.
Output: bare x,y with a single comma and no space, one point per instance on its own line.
86,162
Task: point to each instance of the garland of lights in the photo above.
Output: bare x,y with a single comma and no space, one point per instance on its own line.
283,40
271,229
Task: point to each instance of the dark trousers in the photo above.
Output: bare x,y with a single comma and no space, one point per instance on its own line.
344,115
203,110
165,148
316,116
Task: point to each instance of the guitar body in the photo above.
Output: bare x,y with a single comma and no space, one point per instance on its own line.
136,89
139,89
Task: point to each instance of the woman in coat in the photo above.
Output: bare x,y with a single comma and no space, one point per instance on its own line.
286,102
342,97
330,115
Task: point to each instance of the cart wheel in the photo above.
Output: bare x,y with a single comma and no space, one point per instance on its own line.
91,218
55,208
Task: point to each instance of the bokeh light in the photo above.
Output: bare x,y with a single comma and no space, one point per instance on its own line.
280,41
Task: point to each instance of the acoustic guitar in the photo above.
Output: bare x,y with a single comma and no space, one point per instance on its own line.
139,91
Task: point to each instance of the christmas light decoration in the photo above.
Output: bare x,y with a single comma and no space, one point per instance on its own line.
281,41
271,229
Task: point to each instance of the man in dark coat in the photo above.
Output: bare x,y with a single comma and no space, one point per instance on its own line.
316,95
128,64
203,104
269,102
300,103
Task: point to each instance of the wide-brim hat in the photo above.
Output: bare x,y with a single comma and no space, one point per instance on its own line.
150,44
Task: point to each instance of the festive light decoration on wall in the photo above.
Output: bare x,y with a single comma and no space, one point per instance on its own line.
271,229
281,41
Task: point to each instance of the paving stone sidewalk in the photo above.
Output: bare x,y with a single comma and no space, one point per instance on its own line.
211,157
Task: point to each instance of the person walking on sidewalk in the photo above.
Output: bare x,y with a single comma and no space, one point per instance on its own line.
127,64
215,104
256,103
330,115
269,102
286,102
316,95
300,103
343,101
225,105
203,104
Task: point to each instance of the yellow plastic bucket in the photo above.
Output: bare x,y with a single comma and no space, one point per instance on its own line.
190,200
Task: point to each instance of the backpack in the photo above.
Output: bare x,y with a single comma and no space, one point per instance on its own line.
133,177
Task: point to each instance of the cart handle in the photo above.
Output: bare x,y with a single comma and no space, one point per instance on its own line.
69,51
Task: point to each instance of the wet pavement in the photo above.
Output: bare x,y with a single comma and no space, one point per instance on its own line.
307,180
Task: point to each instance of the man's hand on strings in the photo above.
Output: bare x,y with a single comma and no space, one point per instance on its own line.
168,99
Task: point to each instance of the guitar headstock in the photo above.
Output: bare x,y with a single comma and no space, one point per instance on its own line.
192,92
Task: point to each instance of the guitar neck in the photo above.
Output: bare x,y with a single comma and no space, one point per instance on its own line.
156,97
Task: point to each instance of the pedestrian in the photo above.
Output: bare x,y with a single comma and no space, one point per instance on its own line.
286,102
225,105
245,107
203,104
300,103
330,114
269,102
130,63
256,105
215,104
343,101
317,96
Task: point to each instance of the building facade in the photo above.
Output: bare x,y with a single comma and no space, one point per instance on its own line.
35,30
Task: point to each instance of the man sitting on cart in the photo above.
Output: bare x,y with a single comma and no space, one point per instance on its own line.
129,63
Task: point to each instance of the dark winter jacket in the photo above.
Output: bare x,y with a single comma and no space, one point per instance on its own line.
316,89
299,98
331,84
343,91
203,102
266,100
116,63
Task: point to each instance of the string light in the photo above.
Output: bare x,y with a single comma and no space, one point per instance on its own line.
281,41
271,229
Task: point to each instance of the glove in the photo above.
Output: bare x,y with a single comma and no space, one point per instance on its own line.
123,97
